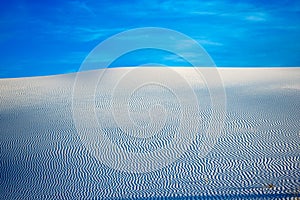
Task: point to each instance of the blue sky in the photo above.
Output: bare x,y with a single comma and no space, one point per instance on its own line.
54,37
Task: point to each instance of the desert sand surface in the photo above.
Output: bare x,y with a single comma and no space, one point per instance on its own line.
46,122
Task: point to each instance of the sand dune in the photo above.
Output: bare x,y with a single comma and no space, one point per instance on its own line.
46,125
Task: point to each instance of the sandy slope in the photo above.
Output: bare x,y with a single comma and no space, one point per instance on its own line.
256,155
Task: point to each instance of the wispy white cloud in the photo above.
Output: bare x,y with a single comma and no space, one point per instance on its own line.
181,8
186,55
209,42
85,34
203,13
81,33
255,18
81,6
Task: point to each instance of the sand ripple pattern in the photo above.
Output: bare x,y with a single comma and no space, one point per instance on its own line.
42,156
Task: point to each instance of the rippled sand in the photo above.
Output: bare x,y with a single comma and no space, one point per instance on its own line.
255,156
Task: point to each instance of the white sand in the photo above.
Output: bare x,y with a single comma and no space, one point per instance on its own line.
43,156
